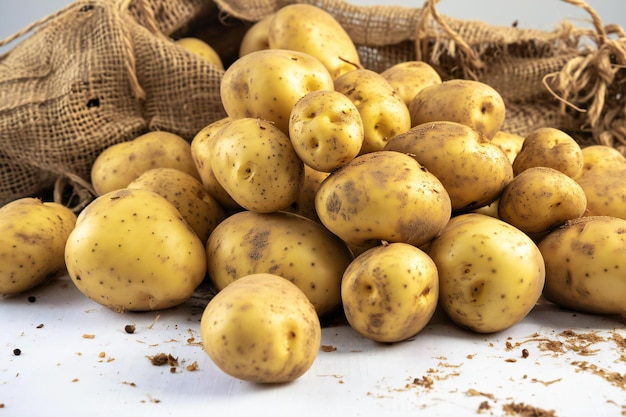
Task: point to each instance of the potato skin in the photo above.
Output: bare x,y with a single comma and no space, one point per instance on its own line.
585,265
266,84
256,37
552,148
409,78
541,198
123,162
383,112
605,190
491,274
201,211
294,247
256,164
473,170
326,130
261,328
389,293
132,250
202,49
468,102
32,243
314,31
384,195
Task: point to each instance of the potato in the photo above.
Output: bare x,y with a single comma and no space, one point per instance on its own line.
202,49
389,293
552,148
605,190
472,103
257,37
326,130
384,195
201,211
32,242
116,166
383,113
261,328
585,265
511,143
200,147
541,198
281,243
473,170
305,201
314,31
266,84
491,274
409,77
601,157
132,250
256,164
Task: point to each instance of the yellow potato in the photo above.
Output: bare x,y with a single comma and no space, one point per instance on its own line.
491,274
552,148
305,201
409,77
473,170
266,84
132,250
119,164
286,244
202,49
511,143
314,31
383,195
200,146
261,328
389,293
605,190
32,243
256,164
472,103
541,198
326,130
256,37
585,265
383,112
201,211
600,157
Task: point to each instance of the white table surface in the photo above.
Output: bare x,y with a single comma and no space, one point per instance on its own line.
77,360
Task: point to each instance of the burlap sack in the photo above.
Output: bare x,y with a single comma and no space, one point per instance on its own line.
103,71
97,73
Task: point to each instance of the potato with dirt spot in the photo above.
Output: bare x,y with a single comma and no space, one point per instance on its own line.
601,157
261,328
294,247
305,201
266,84
326,130
541,198
314,31
32,243
256,164
132,250
472,103
491,274
585,265
383,112
389,293
200,148
116,166
201,211
473,170
552,148
409,78
384,195
605,190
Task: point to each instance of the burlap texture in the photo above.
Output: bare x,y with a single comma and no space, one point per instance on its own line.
96,75
92,76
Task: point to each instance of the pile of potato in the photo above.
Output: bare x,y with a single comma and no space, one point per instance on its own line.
331,187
